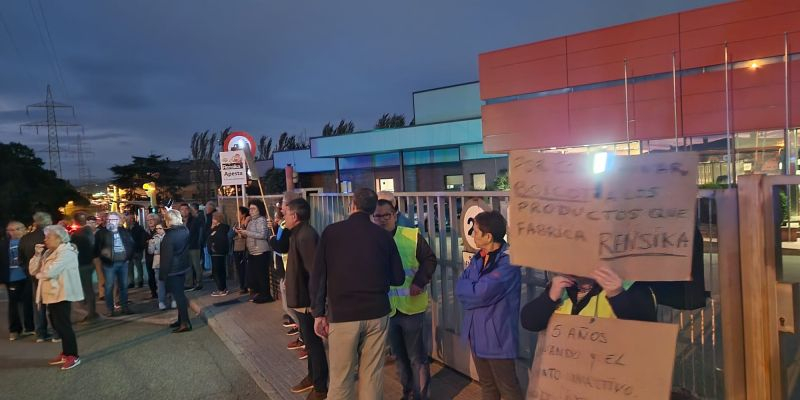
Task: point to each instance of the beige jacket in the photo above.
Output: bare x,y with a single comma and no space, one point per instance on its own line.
57,272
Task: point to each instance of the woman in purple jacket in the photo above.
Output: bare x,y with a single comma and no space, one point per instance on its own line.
489,292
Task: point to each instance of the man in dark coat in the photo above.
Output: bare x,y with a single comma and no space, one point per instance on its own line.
114,245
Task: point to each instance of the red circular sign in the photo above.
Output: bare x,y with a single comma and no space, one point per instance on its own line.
240,141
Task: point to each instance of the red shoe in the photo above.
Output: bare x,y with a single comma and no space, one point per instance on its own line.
70,362
296,344
60,359
302,354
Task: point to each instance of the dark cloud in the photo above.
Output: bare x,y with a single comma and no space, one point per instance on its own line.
143,76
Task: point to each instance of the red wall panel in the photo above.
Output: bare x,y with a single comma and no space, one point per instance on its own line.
529,123
597,116
523,69
752,29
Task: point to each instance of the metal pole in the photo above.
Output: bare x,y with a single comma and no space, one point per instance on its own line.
731,172
338,178
788,143
674,101
402,172
627,118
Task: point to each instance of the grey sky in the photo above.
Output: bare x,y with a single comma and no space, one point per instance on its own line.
144,75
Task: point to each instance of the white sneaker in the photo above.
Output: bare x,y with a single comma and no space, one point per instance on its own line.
162,306
174,304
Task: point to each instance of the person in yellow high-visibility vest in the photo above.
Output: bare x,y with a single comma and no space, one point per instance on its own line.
604,295
409,303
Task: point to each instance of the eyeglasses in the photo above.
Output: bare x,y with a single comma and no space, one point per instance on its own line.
382,216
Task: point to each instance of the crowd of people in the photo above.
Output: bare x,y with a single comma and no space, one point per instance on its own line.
351,294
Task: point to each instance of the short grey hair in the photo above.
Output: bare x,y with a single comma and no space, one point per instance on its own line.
59,231
173,217
42,219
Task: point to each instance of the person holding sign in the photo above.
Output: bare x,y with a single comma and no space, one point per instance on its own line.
489,292
603,295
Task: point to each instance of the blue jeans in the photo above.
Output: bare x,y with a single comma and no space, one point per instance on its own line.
117,271
162,289
413,366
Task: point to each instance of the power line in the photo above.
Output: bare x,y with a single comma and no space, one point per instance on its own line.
16,48
53,47
41,39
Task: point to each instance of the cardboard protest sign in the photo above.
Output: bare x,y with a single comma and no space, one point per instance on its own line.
232,166
572,213
601,358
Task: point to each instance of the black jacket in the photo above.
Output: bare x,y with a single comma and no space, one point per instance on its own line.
195,227
4,267
139,235
300,263
218,243
83,239
355,264
636,303
104,244
174,252
27,246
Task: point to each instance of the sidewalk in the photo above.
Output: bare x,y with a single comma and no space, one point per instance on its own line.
253,333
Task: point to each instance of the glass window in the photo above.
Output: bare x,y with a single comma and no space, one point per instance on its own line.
453,182
479,181
385,184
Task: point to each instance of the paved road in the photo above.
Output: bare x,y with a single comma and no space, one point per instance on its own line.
125,359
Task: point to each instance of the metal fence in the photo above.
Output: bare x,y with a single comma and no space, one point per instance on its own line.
698,362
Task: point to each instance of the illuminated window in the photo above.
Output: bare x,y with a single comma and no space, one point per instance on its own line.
479,181
453,182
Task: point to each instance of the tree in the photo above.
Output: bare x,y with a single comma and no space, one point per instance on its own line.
264,149
291,142
275,181
152,168
343,128
205,158
27,187
387,121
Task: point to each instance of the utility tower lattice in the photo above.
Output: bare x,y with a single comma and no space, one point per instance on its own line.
84,174
52,128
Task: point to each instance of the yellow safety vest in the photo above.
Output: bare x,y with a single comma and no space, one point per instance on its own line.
598,305
400,296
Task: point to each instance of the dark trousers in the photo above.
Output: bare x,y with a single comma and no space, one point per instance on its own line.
59,316
498,378
20,296
175,286
219,272
136,263
258,275
86,272
317,362
40,315
151,274
413,366
240,260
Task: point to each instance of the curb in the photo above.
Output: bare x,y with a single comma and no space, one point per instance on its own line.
207,315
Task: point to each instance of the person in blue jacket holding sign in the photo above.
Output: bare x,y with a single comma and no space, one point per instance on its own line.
489,292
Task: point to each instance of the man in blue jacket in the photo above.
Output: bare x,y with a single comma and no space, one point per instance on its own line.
489,292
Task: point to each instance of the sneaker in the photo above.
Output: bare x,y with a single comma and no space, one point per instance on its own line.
162,306
174,304
117,307
198,287
70,362
302,354
303,386
28,333
219,293
296,344
56,340
60,359
43,339
289,324
293,332
13,336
